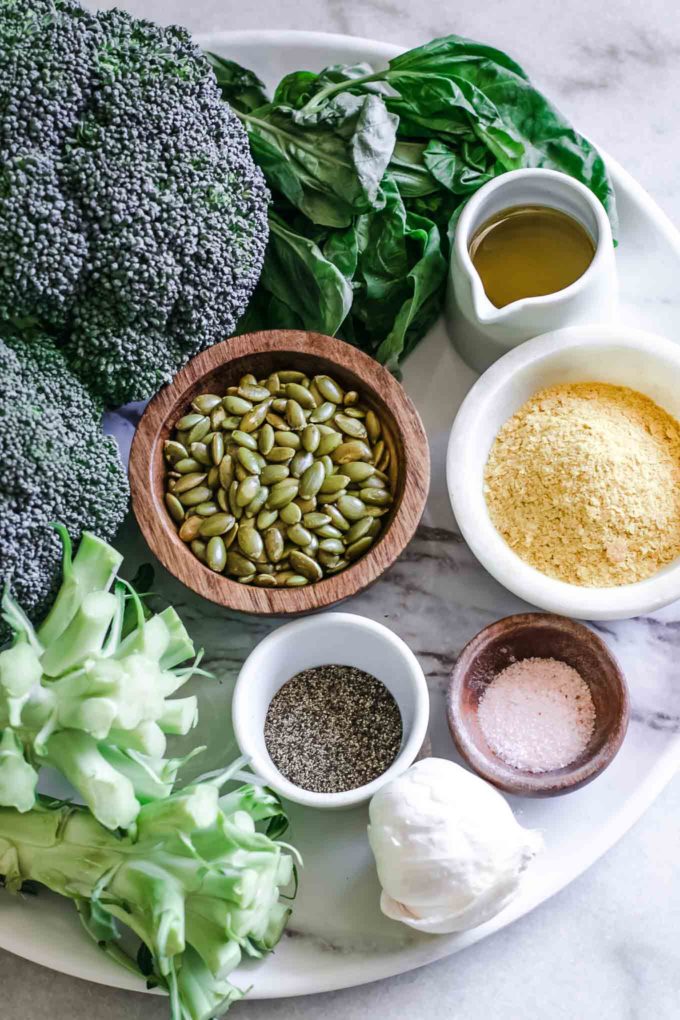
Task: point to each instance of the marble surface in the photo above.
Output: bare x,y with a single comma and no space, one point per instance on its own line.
607,946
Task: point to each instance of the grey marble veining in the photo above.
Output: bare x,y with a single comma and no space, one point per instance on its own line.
607,946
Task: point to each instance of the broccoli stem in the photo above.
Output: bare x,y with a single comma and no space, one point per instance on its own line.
84,635
108,793
92,569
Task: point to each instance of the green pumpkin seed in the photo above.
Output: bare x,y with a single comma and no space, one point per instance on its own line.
240,472
258,501
174,451
274,544
295,416
378,451
244,439
213,477
376,497
230,536
300,462
374,482
280,454
217,447
312,479
358,471
301,395
329,531
226,471
358,529
336,517
290,439
376,511
223,500
217,416
276,421
351,397
359,547
311,548
332,545
201,453
198,548
296,581
298,534
190,528
206,403
248,460
189,481
328,388
328,560
274,383
186,465
334,482
304,565
329,466
265,439
353,450
248,380
291,375
175,508
236,405
266,518
310,438
342,564
328,444
233,505
238,565
279,405
206,509
291,514
188,422
218,524
231,422
352,507
315,520
247,490
355,412
199,431
330,497
282,493
265,580
250,542
252,420
253,392
373,427
351,426
274,473
322,413
306,505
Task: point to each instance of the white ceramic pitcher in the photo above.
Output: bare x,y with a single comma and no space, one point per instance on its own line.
480,331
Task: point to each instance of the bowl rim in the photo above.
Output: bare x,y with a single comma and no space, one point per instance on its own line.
469,505
249,675
160,534
535,784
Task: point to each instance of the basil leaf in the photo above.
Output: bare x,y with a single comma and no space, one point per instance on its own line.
241,88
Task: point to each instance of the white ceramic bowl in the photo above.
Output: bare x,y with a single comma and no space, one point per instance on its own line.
320,640
612,354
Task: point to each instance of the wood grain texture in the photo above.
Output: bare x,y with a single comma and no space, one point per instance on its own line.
544,636
262,353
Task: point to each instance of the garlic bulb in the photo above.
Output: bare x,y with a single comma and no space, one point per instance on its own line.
449,852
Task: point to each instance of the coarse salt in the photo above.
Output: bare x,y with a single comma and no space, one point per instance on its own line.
537,714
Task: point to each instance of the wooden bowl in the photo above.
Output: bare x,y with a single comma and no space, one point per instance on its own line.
537,635
262,353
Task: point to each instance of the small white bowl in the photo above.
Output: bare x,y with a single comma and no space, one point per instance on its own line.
612,354
326,639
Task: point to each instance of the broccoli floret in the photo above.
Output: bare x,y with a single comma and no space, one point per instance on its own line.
55,465
133,221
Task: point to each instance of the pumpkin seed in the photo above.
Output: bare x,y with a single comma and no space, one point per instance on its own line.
206,402
248,380
376,497
217,447
352,507
274,473
312,547
206,509
378,451
327,559
217,416
280,454
190,528
295,416
231,422
253,392
328,443
332,545
276,421
236,405
252,420
230,536
310,438
351,397
328,388
294,391
315,520
238,565
274,544
334,482
266,518
299,534
336,517
186,465
250,542
312,479
322,413
265,580
329,466
240,472
258,501
195,496
305,565
300,462
223,500
186,423
296,581
358,471
244,439
247,490
358,530
274,383
175,508
355,449
218,524
291,375
198,548
351,426
291,514
342,564
373,427
199,431
359,547
265,439
282,493
376,511
329,531
174,451
290,439
248,460
306,505
201,453
226,471
279,405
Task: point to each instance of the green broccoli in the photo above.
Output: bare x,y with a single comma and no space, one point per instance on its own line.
82,695
55,465
133,221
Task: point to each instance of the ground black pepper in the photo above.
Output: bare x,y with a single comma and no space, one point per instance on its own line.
333,728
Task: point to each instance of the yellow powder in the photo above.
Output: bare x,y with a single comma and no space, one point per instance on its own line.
583,483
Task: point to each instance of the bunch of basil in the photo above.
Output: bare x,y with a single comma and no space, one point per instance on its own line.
369,171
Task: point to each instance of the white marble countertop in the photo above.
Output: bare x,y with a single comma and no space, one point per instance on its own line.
607,946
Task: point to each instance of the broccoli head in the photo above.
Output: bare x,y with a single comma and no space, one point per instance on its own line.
55,465
133,221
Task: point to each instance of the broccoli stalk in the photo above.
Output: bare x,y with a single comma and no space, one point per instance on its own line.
80,696
194,879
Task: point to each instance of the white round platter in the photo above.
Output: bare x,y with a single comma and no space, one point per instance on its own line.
436,597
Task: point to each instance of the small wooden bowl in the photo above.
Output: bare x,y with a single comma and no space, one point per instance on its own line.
545,636
262,353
